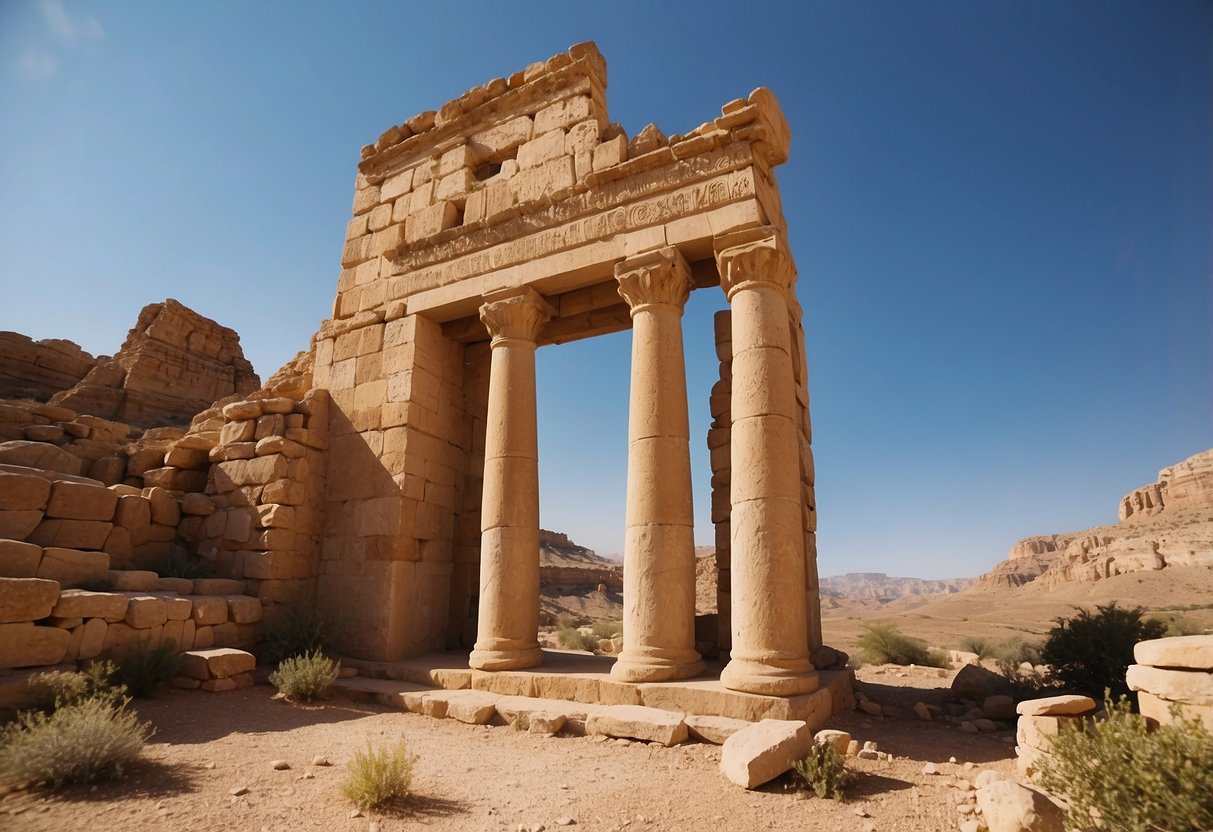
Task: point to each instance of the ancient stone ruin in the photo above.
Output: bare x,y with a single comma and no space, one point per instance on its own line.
388,475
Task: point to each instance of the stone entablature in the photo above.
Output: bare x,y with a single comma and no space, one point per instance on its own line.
518,216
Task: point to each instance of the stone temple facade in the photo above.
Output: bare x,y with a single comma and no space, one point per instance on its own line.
518,216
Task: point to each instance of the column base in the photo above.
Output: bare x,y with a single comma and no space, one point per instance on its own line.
656,665
505,658
787,678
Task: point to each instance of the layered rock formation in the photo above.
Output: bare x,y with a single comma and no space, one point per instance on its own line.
877,586
566,566
173,364
1166,523
39,369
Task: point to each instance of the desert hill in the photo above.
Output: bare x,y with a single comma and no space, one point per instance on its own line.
877,586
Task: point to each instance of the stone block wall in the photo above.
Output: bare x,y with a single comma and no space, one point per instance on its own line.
258,520
401,446
1174,672
74,530
42,624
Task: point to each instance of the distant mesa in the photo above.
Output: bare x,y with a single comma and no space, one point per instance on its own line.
877,586
173,364
1166,523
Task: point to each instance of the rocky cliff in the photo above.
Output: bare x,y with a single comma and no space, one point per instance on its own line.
565,566
173,364
39,369
877,586
1163,524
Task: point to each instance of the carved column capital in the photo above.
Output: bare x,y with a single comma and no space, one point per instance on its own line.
755,257
655,277
517,314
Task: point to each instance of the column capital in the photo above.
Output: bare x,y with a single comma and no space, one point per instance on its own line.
515,314
754,257
655,277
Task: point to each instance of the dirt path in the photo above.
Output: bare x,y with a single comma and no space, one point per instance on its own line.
485,778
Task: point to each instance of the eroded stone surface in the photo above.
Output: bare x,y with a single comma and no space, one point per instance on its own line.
764,751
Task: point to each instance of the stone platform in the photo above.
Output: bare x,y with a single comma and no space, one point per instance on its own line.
586,679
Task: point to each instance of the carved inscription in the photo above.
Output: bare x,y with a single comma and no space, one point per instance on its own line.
667,207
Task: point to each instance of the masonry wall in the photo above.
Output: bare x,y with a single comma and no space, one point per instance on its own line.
401,446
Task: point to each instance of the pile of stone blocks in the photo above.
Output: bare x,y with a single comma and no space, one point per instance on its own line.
1174,672
42,625
60,439
1039,721
215,671
266,462
74,530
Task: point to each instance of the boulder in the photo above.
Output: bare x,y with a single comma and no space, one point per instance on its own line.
219,663
23,492
841,740
40,455
976,683
765,750
1008,806
999,707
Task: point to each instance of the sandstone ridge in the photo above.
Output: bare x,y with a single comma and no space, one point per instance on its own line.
39,369
173,364
1164,524
878,586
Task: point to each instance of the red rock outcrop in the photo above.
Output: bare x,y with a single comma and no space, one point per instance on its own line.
39,369
173,364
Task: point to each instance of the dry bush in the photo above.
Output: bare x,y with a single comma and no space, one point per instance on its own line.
306,677
78,743
824,771
883,643
377,776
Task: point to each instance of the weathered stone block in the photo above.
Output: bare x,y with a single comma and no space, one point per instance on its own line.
84,604
19,525
209,610
26,599
23,492
145,611
218,663
1181,652
72,566
638,722
1192,686
764,751
28,645
19,559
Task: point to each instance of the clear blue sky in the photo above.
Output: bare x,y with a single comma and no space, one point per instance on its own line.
1001,214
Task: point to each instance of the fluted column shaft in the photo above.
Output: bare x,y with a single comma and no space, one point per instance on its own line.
770,641
659,549
508,616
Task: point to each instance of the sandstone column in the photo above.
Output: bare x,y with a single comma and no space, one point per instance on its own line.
659,550
770,639
508,620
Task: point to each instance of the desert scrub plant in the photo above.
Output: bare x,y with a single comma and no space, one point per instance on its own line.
54,689
607,629
377,776
883,643
1090,652
78,743
140,669
571,638
307,677
298,629
824,771
982,648
1119,776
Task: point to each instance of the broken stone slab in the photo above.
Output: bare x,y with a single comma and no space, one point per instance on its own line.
219,663
714,729
638,722
474,707
1008,806
762,752
1184,652
545,712
1056,706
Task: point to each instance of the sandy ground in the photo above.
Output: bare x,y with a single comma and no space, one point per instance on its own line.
496,778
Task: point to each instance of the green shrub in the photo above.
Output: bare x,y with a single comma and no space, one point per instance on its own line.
824,771
140,669
78,743
1132,779
884,644
1016,651
565,620
377,776
306,677
972,644
297,630
55,689
1178,625
1090,652
607,629
570,638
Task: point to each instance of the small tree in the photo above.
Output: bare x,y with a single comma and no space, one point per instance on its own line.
1090,652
